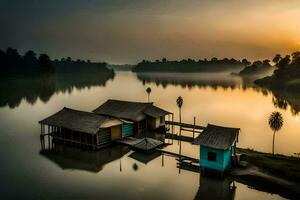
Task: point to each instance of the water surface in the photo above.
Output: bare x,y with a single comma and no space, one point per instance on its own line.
29,173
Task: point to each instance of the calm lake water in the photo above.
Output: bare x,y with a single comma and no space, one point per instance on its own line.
117,172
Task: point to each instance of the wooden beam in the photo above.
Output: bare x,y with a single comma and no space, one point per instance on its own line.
194,127
186,125
183,157
179,138
191,131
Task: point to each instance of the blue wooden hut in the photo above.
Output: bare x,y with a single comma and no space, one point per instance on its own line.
217,146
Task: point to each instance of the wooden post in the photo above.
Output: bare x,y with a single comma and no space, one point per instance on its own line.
172,127
48,137
41,136
235,148
51,141
44,146
194,127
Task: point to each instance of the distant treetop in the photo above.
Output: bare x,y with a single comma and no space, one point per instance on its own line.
189,65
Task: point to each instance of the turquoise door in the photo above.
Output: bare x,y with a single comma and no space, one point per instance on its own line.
127,130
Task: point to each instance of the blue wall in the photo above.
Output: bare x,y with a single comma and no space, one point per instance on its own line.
222,160
127,130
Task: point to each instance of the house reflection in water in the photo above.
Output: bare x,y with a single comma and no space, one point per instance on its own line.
144,158
70,158
216,188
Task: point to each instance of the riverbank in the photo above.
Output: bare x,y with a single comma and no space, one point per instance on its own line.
272,173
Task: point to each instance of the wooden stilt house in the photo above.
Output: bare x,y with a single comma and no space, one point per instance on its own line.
217,147
137,116
79,128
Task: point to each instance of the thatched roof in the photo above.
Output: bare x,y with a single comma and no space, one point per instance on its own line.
80,121
154,111
217,137
134,111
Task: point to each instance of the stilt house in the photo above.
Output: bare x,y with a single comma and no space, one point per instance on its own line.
137,116
217,146
81,128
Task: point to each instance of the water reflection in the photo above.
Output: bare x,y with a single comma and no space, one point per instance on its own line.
14,90
281,99
70,158
117,159
191,80
216,188
30,89
144,158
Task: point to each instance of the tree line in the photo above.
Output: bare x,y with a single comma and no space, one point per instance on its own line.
286,74
287,67
256,67
190,65
11,62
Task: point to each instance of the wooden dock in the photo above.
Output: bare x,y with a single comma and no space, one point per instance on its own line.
185,125
193,128
181,157
184,162
177,137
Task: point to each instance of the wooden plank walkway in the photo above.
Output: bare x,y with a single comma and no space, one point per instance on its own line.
177,137
188,167
185,125
182,157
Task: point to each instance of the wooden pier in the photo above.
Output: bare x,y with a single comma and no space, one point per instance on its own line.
192,128
184,162
186,125
181,157
177,137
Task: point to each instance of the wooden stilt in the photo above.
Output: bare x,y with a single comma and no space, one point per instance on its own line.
48,137
194,127
172,127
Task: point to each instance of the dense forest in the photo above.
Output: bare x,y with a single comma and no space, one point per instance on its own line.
38,77
257,67
286,75
67,65
190,65
29,64
12,63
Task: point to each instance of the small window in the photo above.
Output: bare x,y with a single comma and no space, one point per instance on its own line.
212,156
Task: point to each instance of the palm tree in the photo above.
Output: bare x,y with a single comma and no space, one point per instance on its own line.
275,123
148,90
179,102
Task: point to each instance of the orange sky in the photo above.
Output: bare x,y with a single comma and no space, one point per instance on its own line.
129,31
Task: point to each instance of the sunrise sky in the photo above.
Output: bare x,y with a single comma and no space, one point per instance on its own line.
127,31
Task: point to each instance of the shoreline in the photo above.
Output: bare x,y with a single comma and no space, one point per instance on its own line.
276,174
